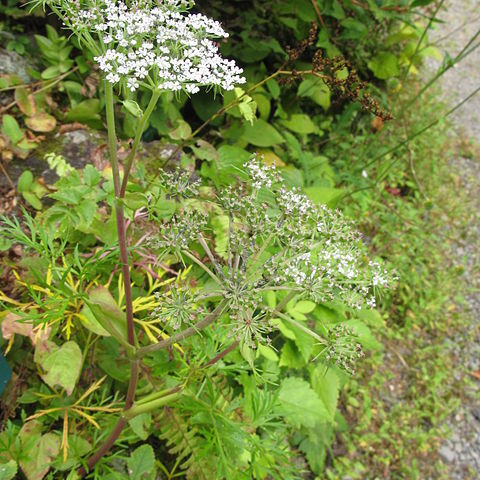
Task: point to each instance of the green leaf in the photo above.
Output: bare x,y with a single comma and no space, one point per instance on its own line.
91,176
181,132
38,451
8,470
284,330
422,3
133,107
305,306
327,385
248,109
273,88
384,65
220,225
135,200
77,448
206,105
91,323
108,313
11,129
354,29
291,356
315,89
141,425
268,352
51,72
365,336
299,403
324,195
262,134
61,364
141,463
85,111
25,181
300,123
205,151
33,200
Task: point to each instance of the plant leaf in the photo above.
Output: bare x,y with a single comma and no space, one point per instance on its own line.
61,364
299,403
262,134
141,463
41,122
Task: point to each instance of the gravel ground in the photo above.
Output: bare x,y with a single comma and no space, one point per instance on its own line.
461,452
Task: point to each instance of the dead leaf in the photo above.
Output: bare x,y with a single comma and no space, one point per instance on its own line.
476,374
14,324
377,124
90,85
70,127
41,122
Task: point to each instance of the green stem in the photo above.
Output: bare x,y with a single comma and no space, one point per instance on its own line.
122,242
419,43
301,327
203,266
156,395
151,406
138,137
463,54
188,332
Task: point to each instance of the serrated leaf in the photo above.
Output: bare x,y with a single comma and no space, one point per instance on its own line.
384,65
290,356
141,463
326,384
299,403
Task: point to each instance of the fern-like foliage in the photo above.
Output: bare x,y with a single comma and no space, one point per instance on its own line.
186,445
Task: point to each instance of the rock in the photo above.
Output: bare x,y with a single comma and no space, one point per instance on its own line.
79,148
476,413
447,454
13,63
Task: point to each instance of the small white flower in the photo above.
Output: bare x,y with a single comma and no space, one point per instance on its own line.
176,48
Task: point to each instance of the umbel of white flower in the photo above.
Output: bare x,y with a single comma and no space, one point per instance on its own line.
161,45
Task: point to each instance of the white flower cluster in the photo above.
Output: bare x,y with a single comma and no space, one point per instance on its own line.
262,176
324,254
144,39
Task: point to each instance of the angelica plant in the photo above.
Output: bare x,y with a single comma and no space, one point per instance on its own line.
277,240
161,47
